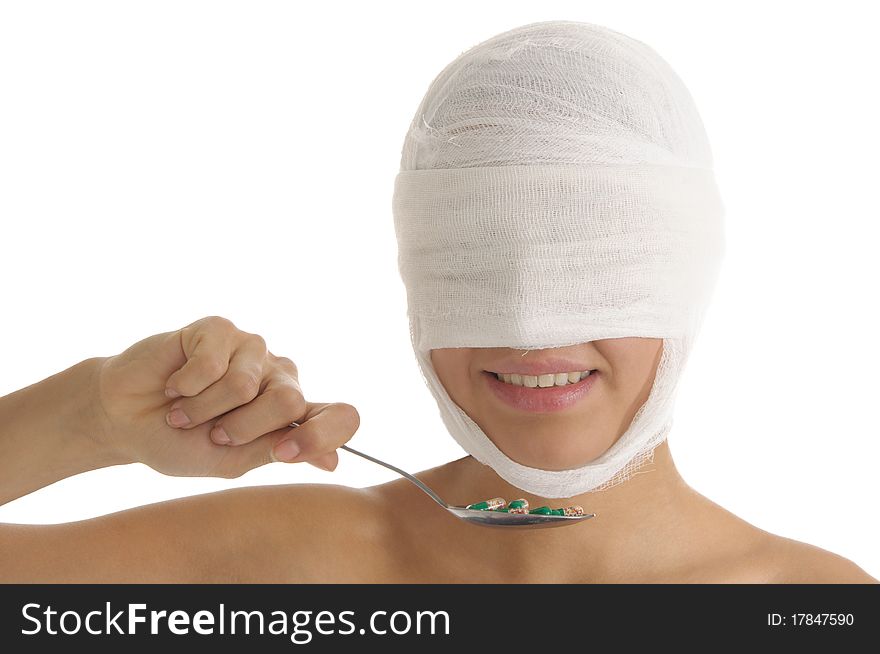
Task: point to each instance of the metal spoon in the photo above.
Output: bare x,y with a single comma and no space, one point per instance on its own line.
484,518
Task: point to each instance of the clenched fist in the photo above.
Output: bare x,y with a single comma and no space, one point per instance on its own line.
211,400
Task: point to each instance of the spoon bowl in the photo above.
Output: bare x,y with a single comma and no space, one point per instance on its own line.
484,518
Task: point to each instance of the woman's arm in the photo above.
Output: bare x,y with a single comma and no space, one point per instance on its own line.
49,432
305,533
205,400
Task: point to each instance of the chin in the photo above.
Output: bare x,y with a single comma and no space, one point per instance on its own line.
552,455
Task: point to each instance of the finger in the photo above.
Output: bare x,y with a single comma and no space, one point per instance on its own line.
239,460
208,349
237,387
325,428
280,402
327,461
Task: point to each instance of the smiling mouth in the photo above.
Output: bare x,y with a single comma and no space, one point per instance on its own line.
548,380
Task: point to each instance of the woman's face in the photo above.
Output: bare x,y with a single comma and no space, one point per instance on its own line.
554,427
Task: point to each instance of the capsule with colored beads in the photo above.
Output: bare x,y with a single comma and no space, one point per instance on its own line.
518,506
488,505
573,511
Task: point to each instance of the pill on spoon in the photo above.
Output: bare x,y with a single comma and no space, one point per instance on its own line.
518,506
488,505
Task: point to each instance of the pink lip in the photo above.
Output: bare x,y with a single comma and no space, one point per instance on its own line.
541,400
536,366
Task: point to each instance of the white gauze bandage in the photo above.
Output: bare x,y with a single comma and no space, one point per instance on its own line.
556,188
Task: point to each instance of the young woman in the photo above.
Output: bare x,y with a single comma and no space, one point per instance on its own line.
558,226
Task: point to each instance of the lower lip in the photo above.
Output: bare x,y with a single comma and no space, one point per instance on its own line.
541,400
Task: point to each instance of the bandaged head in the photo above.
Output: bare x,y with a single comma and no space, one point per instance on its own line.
556,188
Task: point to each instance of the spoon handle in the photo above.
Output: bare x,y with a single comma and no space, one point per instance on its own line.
417,482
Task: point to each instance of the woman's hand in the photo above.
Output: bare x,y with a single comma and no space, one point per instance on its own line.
211,400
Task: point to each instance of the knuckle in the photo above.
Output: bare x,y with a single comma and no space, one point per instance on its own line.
218,322
291,403
287,365
259,342
244,384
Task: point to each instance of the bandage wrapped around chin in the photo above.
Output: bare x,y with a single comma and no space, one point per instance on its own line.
556,188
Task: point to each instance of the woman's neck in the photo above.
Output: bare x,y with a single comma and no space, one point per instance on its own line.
632,519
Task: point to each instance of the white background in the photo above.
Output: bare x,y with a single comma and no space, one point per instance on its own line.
164,161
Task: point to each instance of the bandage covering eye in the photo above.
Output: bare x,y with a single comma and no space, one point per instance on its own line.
555,188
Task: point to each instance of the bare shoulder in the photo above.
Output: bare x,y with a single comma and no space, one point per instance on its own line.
732,550
309,533
788,561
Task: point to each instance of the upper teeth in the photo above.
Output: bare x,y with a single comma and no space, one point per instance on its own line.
543,381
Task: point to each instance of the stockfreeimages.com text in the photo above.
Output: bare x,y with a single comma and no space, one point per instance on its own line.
300,626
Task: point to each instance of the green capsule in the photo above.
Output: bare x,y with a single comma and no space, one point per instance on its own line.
519,504
542,510
488,505
557,512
